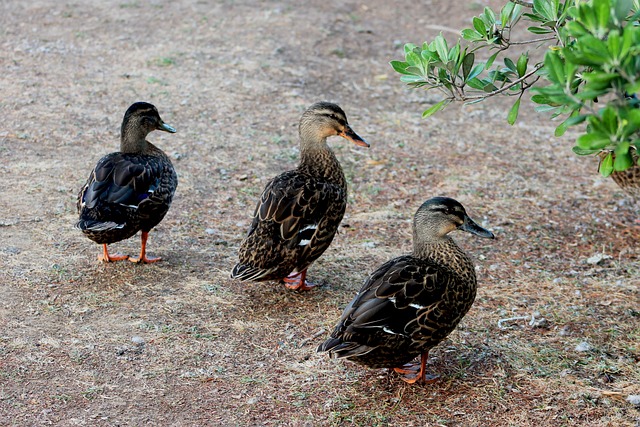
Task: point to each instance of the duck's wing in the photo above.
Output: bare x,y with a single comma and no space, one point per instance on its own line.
397,304
298,203
294,222
118,184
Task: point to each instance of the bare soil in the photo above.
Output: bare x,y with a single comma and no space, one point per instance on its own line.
178,343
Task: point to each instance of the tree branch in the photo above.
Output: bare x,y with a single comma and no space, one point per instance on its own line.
542,39
523,3
504,88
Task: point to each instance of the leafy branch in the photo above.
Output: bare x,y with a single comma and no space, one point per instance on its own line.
590,74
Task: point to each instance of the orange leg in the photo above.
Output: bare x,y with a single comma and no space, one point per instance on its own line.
143,258
298,282
110,258
411,373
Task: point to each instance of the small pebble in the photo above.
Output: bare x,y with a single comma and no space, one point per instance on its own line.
539,323
596,259
11,250
634,399
137,340
583,346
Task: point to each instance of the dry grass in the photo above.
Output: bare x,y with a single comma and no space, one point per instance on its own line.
178,343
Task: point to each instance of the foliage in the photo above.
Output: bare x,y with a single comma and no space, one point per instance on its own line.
590,74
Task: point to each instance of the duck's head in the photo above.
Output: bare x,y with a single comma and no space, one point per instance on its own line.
439,216
139,120
324,119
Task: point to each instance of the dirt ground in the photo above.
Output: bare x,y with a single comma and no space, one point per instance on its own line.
553,337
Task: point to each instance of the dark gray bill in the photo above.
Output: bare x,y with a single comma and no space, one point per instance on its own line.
471,227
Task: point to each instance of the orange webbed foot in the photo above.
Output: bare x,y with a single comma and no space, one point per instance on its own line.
298,282
106,257
143,258
414,372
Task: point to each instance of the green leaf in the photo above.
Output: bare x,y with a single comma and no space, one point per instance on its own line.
539,30
622,148
521,66
614,43
592,141
602,10
582,152
621,9
546,8
454,53
627,41
409,47
610,120
467,65
633,87
435,108
634,118
413,58
479,26
476,71
606,165
489,62
472,35
622,161
510,64
546,109
533,17
489,16
508,12
540,99
399,66
411,79
429,56
513,113
476,83
489,87
574,118
555,67
442,48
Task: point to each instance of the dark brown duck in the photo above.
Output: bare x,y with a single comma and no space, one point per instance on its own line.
299,211
130,190
412,302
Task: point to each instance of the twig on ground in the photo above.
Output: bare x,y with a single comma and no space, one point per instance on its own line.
312,337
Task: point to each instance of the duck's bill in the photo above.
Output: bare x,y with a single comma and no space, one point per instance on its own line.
350,135
165,127
471,227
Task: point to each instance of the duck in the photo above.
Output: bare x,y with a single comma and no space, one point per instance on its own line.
411,303
299,211
130,190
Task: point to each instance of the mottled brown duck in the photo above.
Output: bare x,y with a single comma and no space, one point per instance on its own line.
628,180
412,302
130,190
299,211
